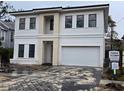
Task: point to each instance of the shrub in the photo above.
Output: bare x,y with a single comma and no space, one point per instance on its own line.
10,50
5,56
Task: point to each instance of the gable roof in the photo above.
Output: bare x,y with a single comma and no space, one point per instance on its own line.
6,25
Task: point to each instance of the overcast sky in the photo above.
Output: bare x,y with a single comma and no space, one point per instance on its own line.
116,8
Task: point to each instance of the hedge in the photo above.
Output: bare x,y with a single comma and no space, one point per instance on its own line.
6,54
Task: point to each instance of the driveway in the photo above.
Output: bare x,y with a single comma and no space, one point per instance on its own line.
57,78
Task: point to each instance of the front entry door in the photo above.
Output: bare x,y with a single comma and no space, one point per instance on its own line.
48,52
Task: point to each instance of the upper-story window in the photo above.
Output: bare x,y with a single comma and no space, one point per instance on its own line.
22,23
51,24
32,23
80,21
68,21
2,36
12,36
92,20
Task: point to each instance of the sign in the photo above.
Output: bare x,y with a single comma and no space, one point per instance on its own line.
115,65
114,55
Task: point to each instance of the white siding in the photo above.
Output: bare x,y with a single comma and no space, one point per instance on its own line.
27,30
26,42
86,30
26,37
85,37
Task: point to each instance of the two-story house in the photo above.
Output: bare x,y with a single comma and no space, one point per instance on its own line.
7,34
61,36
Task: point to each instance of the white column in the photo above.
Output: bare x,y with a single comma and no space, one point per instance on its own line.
26,51
36,47
74,21
16,46
27,22
85,20
123,58
101,56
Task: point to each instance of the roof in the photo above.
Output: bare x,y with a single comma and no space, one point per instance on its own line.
59,9
100,5
6,25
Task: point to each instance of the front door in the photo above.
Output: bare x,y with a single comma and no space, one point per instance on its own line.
48,52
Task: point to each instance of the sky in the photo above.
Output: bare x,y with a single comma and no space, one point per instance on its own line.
116,9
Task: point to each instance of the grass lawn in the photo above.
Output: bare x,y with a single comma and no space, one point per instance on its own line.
119,75
121,78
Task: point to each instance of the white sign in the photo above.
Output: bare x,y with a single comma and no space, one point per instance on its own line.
114,55
115,65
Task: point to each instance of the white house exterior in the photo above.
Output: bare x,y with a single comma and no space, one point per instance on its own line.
61,36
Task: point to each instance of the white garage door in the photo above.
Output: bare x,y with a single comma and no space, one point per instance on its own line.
82,56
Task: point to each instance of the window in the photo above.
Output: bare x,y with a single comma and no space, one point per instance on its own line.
31,50
51,24
80,21
68,21
32,22
21,50
11,37
22,23
92,20
2,36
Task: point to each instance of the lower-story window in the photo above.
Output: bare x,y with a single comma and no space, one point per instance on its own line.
31,50
21,50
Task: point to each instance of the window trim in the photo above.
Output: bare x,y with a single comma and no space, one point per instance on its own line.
71,21
32,23
22,23
81,20
92,20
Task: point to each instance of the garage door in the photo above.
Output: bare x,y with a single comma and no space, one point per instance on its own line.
82,56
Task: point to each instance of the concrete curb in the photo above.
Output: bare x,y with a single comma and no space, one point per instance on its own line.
4,89
103,82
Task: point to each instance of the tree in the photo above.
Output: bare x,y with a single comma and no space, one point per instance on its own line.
112,24
114,34
5,8
122,37
122,46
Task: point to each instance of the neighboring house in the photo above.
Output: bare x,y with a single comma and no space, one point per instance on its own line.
122,41
7,34
61,36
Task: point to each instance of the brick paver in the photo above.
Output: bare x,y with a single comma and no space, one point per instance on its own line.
58,78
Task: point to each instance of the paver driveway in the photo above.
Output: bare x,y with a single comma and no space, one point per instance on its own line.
54,78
